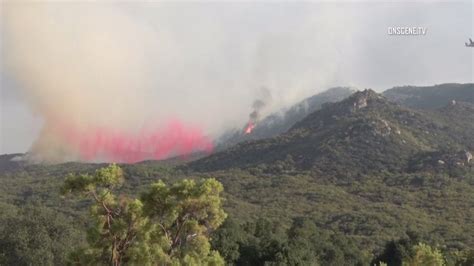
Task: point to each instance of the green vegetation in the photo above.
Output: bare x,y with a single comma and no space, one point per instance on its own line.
364,134
36,235
266,242
167,225
273,218
359,182
431,97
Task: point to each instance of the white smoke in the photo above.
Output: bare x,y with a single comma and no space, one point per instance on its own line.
123,65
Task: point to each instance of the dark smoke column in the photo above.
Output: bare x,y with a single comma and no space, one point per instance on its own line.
257,106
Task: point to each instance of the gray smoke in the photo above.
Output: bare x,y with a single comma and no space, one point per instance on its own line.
122,64
258,106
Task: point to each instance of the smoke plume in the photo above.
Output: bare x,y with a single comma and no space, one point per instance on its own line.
258,106
126,81
87,72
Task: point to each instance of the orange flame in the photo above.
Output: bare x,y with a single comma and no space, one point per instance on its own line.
249,128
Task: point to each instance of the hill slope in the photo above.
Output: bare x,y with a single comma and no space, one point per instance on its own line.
364,133
431,97
364,168
279,122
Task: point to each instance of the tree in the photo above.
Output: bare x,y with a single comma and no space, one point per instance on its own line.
116,222
35,235
228,239
396,251
424,255
264,244
464,258
182,216
167,225
310,245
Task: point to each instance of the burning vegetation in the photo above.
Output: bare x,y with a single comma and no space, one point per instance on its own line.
257,108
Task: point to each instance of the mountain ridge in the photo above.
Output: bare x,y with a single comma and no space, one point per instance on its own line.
280,121
365,132
431,97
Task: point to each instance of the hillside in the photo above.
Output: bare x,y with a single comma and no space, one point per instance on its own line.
279,122
364,133
364,170
431,97
366,167
9,162
428,97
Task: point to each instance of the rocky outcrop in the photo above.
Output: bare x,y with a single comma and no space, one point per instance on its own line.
381,127
440,160
360,103
361,99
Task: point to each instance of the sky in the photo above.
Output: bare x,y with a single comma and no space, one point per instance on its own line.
121,65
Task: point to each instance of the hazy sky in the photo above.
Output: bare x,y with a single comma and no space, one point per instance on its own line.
206,62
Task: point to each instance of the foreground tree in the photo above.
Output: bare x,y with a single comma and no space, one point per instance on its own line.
167,226
425,255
